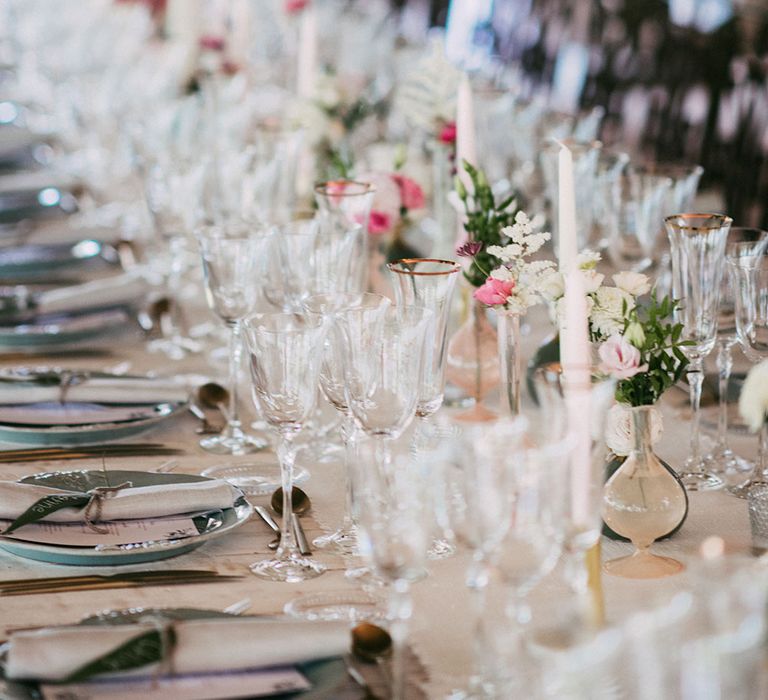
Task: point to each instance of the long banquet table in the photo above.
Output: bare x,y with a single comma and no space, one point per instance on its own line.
441,631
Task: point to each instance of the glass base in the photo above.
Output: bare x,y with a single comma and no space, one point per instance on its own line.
742,490
700,480
254,478
477,414
225,445
345,606
643,565
289,570
175,348
725,463
343,541
441,549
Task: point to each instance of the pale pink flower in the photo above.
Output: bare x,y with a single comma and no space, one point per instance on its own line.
293,6
620,358
386,199
494,292
411,194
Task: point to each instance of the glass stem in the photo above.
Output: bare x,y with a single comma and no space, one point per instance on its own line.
286,453
478,576
400,613
762,452
578,579
348,439
695,380
234,429
724,367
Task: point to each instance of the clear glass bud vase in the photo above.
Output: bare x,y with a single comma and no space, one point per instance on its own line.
642,501
510,364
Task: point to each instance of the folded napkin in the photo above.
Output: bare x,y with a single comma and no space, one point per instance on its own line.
108,390
202,646
108,291
125,504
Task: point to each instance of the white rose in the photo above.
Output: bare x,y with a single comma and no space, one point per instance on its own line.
607,316
634,283
753,401
552,286
620,432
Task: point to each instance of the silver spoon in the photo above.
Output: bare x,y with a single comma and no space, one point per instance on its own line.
301,504
372,644
213,395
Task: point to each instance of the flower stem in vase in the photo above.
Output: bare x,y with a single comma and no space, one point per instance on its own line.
472,362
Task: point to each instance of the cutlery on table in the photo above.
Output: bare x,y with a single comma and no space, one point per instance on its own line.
34,454
65,584
301,504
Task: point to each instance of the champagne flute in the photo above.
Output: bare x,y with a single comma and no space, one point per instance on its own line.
723,460
232,267
285,355
697,244
749,275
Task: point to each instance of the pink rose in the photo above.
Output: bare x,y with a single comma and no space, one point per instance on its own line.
494,292
379,222
211,42
386,199
448,133
620,358
291,7
411,195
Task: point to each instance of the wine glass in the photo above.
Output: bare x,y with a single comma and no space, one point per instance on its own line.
333,307
429,284
285,354
394,534
474,482
749,276
343,204
742,241
539,491
233,256
697,244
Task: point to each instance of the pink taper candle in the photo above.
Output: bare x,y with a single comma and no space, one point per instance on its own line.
566,210
575,358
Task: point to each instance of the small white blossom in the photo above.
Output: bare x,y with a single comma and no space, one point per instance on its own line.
588,259
502,273
591,280
609,313
506,253
634,283
552,286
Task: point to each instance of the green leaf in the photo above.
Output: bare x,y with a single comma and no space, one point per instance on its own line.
142,650
47,505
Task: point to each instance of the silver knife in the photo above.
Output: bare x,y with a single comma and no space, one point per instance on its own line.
301,537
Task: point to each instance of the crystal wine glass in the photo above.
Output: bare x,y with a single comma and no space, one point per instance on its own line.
285,354
232,257
394,534
749,275
697,244
343,204
722,459
332,307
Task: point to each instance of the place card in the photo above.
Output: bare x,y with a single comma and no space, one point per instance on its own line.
243,684
117,532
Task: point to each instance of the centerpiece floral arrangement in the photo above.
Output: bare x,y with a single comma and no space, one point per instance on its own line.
500,240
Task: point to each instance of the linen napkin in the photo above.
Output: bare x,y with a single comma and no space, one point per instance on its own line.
126,504
108,291
202,646
108,390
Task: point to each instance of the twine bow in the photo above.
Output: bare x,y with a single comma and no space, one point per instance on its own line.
166,631
95,506
69,379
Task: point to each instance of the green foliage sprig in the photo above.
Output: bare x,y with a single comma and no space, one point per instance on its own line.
485,220
649,328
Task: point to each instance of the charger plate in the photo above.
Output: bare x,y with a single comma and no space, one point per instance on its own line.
211,526
328,676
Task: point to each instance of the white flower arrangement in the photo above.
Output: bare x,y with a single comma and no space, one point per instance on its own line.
517,283
608,307
753,400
